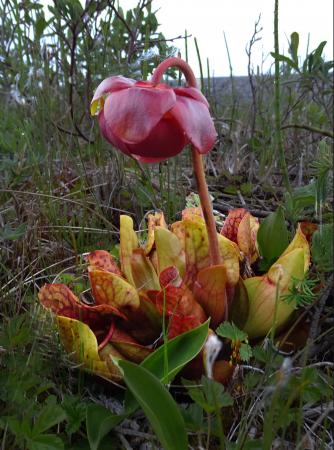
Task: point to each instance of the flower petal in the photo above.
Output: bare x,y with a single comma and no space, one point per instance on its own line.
108,85
131,114
165,140
194,118
193,93
148,160
110,137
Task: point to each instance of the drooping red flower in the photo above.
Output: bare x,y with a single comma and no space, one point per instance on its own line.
152,121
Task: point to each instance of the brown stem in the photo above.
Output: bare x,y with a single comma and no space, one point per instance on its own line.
174,62
206,206
197,160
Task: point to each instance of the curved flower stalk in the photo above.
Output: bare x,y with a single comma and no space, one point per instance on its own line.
171,274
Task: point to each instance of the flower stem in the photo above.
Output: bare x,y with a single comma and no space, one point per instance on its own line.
174,62
197,159
206,204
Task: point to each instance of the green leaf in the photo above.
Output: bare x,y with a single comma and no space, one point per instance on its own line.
158,405
301,293
211,396
180,350
12,234
51,415
45,442
40,26
193,417
318,51
75,411
322,247
256,444
252,380
245,352
285,59
99,421
230,331
272,238
294,44
239,308
304,196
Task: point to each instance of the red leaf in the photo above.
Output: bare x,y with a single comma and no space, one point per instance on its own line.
102,260
59,299
210,292
231,224
308,228
179,324
179,301
170,276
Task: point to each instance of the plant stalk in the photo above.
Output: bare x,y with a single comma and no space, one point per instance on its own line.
197,160
206,204
277,106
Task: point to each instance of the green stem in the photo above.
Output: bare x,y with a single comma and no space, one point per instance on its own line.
197,159
277,105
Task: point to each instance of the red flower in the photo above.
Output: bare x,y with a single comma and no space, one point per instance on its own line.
152,121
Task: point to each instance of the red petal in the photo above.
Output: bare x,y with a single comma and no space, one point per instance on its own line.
109,135
165,140
131,114
147,160
194,118
193,93
112,84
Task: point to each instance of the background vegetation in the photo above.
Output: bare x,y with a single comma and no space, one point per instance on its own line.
62,189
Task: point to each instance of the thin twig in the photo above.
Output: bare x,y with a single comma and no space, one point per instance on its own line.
309,128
